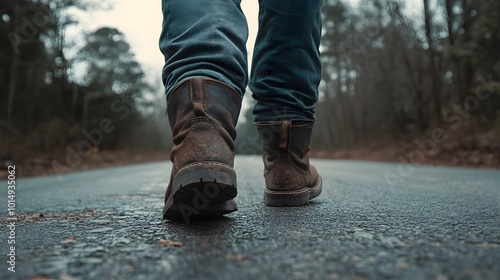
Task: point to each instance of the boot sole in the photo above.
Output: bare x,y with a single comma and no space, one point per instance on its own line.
292,198
201,190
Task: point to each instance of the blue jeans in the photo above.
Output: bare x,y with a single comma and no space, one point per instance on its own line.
207,38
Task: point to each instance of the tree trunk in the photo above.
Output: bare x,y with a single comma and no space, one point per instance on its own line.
466,65
12,87
432,63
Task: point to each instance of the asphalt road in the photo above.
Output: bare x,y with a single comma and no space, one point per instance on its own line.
369,223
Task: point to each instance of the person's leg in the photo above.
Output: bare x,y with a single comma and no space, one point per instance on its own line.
286,73
205,76
204,38
286,67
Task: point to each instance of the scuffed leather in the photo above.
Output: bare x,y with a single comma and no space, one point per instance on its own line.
286,156
202,114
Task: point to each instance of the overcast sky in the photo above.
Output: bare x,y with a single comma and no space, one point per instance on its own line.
141,21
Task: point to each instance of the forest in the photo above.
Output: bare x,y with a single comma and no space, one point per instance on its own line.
395,81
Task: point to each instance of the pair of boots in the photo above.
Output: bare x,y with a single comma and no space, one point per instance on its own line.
203,113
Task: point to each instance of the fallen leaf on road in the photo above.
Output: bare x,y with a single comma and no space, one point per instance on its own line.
164,242
235,257
69,240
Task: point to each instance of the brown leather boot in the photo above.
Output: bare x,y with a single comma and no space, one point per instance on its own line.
202,113
290,179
